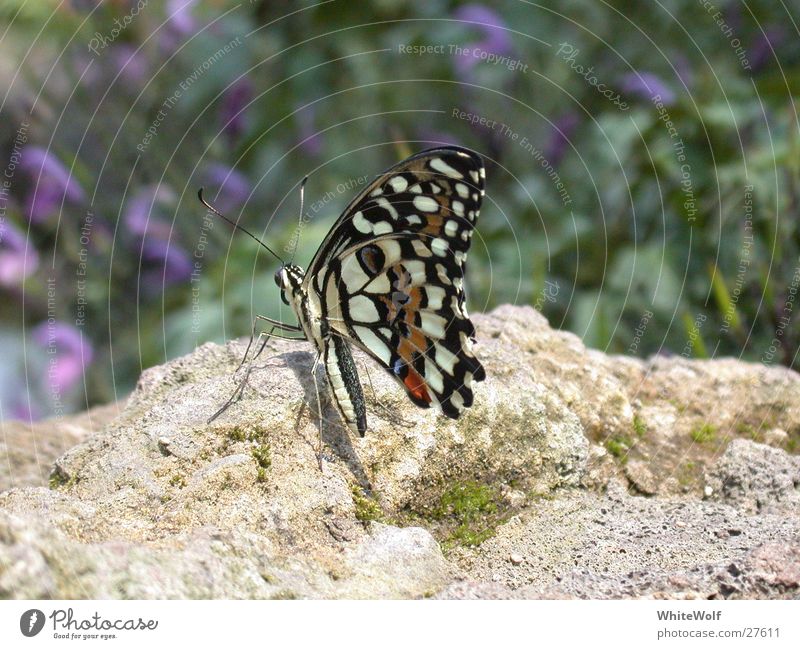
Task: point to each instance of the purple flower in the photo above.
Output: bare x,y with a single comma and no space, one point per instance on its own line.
139,214
732,14
84,5
16,400
18,258
52,183
180,24
647,86
310,140
163,260
179,16
232,187
432,138
85,69
563,129
164,263
23,410
232,116
763,51
496,39
130,63
684,70
70,354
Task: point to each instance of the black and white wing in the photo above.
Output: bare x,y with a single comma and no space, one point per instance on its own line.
390,274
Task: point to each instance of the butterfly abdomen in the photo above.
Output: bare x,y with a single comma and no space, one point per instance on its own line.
344,383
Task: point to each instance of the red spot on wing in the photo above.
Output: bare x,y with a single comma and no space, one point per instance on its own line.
416,385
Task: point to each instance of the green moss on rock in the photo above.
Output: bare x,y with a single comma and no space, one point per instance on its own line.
59,479
619,446
261,454
366,507
471,510
639,427
704,434
177,481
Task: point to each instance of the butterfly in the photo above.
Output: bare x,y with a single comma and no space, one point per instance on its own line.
389,279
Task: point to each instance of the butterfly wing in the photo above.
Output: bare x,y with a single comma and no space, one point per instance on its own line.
390,274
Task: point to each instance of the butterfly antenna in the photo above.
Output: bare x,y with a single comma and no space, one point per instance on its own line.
299,218
237,226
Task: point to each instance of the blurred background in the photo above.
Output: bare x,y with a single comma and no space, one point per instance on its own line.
643,169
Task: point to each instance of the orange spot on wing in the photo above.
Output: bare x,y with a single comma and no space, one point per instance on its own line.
434,224
416,386
417,338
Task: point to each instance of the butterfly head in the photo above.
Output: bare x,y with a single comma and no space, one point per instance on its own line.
288,278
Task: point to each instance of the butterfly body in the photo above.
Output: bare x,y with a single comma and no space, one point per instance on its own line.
340,368
389,279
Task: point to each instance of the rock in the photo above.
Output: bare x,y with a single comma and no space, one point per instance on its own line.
776,437
211,507
773,567
29,450
395,562
756,478
674,414
44,563
641,477
527,493
619,546
476,590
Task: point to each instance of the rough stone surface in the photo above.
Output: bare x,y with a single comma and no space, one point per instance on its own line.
580,475
617,546
756,478
28,450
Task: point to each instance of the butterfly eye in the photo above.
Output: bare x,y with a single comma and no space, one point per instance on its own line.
278,281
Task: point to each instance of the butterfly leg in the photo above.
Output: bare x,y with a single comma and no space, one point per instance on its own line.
319,407
237,393
275,324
